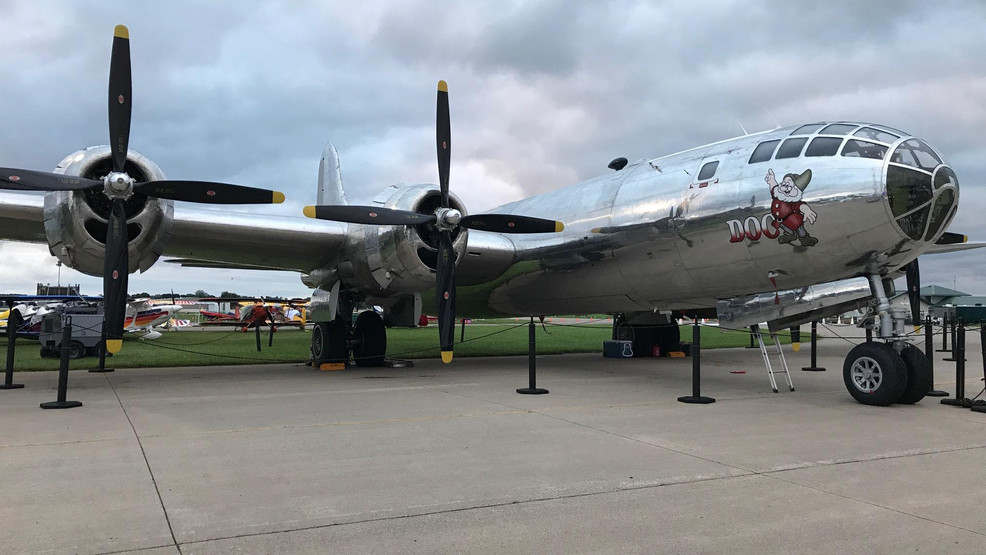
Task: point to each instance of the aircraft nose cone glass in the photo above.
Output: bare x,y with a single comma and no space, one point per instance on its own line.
922,192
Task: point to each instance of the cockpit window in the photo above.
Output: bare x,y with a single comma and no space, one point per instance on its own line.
943,203
708,170
764,151
806,129
876,135
823,146
945,176
907,189
916,154
838,129
791,148
864,149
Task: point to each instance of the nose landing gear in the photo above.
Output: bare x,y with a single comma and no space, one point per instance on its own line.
885,373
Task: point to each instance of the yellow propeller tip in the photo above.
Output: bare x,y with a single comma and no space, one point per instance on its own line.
121,31
278,197
114,345
309,211
446,356
559,227
796,346
442,86
596,229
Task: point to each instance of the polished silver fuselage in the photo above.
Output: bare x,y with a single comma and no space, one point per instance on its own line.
654,237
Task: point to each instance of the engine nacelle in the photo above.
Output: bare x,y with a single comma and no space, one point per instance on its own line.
76,221
403,258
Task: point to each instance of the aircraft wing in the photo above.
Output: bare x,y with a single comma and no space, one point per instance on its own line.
200,237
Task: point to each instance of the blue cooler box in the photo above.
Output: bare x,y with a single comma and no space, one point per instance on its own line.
618,349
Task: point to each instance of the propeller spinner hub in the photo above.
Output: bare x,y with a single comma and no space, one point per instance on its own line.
118,185
448,218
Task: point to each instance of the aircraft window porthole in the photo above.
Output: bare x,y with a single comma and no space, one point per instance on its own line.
708,170
791,148
864,149
876,135
806,129
823,146
838,129
764,151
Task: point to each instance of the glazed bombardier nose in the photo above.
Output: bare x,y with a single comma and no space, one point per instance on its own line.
922,190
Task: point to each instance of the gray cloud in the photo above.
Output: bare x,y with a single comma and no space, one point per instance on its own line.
543,93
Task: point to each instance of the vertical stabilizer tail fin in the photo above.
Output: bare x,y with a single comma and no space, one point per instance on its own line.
330,191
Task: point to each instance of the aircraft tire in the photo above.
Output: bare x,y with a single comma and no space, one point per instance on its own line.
919,377
329,342
76,350
370,336
875,374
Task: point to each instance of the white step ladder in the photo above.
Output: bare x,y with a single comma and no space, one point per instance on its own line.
755,330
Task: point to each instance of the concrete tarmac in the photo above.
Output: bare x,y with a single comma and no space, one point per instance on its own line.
450,459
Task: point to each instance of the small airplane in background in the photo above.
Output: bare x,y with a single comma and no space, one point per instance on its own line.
144,315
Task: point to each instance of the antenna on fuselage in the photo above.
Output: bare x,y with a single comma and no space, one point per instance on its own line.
776,123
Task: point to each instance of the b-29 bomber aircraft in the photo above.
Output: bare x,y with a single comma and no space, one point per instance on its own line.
785,226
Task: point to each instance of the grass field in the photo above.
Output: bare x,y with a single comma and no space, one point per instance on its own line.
197,348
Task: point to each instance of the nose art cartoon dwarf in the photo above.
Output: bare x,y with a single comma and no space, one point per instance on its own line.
787,208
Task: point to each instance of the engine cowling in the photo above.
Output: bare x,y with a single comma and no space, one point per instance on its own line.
400,259
75,222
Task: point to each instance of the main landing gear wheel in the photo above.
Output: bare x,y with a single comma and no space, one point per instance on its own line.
875,374
919,378
370,339
329,343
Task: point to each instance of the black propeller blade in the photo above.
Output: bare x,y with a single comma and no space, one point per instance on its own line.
445,219
913,276
507,223
373,215
119,186
116,272
119,97
206,192
30,180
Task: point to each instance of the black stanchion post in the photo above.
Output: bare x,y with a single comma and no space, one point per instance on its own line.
980,406
944,334
958,348
532,388
257,330
13,322
696,396
61,403
929,336
102,351
814,350
955,341
270,340
462,332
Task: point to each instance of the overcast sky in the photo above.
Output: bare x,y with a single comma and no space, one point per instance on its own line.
543,94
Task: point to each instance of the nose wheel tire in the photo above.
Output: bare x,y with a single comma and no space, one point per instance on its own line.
875,374
919,377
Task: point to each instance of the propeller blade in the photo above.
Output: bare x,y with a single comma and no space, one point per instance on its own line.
367,215
30,180
115,275
208,192
507,223
119,100
913,274
443,139
445,295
